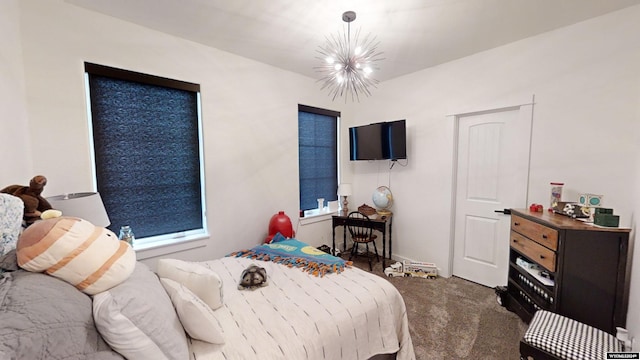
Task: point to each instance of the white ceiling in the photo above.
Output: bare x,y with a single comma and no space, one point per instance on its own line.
413,34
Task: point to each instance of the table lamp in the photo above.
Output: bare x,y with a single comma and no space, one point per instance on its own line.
344,190
85,205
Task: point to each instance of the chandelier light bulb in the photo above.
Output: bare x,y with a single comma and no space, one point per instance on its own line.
348,62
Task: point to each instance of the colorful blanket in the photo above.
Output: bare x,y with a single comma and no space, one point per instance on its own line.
295,253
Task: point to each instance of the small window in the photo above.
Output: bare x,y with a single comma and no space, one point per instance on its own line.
147,148
318,155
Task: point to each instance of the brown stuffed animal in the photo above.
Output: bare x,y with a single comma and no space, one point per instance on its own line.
34,203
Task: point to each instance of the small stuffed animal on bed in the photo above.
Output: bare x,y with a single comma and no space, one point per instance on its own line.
34,203
252,278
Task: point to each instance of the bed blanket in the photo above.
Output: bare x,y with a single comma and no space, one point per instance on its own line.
42,317
295,253
352,316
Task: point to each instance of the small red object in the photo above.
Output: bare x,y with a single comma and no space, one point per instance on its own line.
280,223
536,208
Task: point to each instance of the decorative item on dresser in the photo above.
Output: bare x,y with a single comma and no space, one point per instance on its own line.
566,266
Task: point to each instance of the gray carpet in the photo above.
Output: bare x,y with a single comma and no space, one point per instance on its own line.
455,319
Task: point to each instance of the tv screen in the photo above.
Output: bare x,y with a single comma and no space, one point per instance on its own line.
365,142
379,141
394,140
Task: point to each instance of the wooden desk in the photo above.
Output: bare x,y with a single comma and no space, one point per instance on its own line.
377,222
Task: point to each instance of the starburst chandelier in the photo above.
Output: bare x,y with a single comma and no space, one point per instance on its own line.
348,64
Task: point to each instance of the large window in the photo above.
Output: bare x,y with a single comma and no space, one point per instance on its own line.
318,155
147,149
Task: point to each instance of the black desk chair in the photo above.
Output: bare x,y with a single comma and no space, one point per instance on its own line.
361,234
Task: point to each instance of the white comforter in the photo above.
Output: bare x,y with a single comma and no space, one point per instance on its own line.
352,315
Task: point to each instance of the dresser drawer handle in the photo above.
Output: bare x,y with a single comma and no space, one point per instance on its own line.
544,236
516,223
515,240
541,256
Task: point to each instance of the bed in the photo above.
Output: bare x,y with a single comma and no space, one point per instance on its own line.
351,315
328,312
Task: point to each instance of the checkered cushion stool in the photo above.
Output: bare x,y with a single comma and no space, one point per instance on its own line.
553,336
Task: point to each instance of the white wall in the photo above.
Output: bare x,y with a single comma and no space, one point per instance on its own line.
15,149
633,317
249,116
586,81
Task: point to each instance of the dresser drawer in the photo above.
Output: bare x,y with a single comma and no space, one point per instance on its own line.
534,231
536,252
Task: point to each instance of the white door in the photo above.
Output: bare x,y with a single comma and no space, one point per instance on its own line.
492,174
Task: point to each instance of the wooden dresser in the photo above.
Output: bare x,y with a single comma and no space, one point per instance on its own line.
584,267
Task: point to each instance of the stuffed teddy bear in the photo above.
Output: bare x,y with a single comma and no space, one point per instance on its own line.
34,203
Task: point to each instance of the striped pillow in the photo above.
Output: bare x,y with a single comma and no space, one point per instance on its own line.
72,249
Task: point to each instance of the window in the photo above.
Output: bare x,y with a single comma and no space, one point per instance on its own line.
147,149
318,155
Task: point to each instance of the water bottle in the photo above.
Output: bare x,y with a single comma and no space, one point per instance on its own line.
126,234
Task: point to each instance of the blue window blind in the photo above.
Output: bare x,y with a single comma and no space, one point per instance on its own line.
318,155
147,151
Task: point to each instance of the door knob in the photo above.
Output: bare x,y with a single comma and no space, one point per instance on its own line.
504,211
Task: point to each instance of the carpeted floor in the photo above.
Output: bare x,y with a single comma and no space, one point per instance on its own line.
452,318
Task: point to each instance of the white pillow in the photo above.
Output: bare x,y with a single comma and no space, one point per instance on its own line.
202,281
196,317
137,319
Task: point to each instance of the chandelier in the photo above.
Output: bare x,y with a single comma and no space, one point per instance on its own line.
348,64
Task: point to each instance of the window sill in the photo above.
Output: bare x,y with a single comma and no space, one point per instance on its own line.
314,216
168,246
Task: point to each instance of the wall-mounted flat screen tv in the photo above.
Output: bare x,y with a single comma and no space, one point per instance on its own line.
379,141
